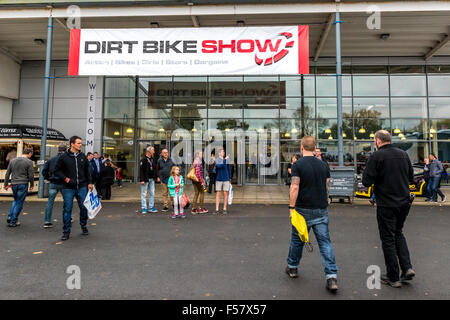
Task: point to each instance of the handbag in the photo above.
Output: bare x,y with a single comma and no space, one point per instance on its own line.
191,175
185,202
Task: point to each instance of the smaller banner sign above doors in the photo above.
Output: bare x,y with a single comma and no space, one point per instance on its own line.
190,51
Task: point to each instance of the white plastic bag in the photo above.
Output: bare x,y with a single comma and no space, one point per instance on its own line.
92,203
230,194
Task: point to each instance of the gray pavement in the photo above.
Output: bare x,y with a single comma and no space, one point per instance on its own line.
238,256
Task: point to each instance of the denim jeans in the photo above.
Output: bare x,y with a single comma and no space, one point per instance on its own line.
68,196
434,188
150,185
54,189
317,219
20,192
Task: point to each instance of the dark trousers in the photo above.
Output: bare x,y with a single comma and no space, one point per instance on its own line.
212,182
395,249
106,191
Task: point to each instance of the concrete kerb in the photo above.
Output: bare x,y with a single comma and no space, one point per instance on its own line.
242,195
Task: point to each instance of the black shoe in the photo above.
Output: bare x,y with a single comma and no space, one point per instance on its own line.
332,285
13,225
408,275
394,284
85,231
292,272
165,209
8,221
65,236
48,225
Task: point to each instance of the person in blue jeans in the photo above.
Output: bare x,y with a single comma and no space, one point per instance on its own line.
435,170
72,167
147,176
56,184
22,174
309,197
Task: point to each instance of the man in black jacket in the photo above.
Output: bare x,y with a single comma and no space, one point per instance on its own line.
389,169
165,165
147,176
72,168
56,184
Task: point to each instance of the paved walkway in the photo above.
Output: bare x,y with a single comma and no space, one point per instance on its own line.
238,256
242,195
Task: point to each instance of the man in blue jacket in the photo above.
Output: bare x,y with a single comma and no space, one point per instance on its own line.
223,183
56,184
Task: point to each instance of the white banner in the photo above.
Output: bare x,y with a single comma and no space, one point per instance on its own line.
90,118
190,51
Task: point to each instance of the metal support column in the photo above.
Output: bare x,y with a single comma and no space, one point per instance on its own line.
339,90
48,60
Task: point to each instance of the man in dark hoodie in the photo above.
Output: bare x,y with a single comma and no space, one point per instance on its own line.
56,184
72,168
106,179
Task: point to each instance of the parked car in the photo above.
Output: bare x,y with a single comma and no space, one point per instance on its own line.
418,187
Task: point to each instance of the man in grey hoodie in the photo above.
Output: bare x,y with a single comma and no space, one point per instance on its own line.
22,172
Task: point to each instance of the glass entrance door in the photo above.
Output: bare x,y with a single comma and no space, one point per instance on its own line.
256,171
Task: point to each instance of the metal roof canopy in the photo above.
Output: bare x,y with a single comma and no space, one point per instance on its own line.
415,28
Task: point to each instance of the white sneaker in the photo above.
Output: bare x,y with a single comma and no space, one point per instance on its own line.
444,199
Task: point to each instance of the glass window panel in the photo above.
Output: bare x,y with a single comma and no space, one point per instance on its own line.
326,86
262,87
190,87
439,85
370,86
369,69
261,107
330,152
327,108
226,124
225,107
189,108
297,108
156,87
296,129
366,128
121,152
403,129
438,69
409,107
259,125
287,149
332,69
440,129
363,150
297,86
119,108
371,108
196,126
155,107
120,87
439,107
118,129
327,129
228,87
415,150
408,86
155,128
407,69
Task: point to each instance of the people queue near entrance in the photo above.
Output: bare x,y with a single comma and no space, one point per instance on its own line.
388,169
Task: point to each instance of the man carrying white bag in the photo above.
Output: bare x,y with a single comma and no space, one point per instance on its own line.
92,203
